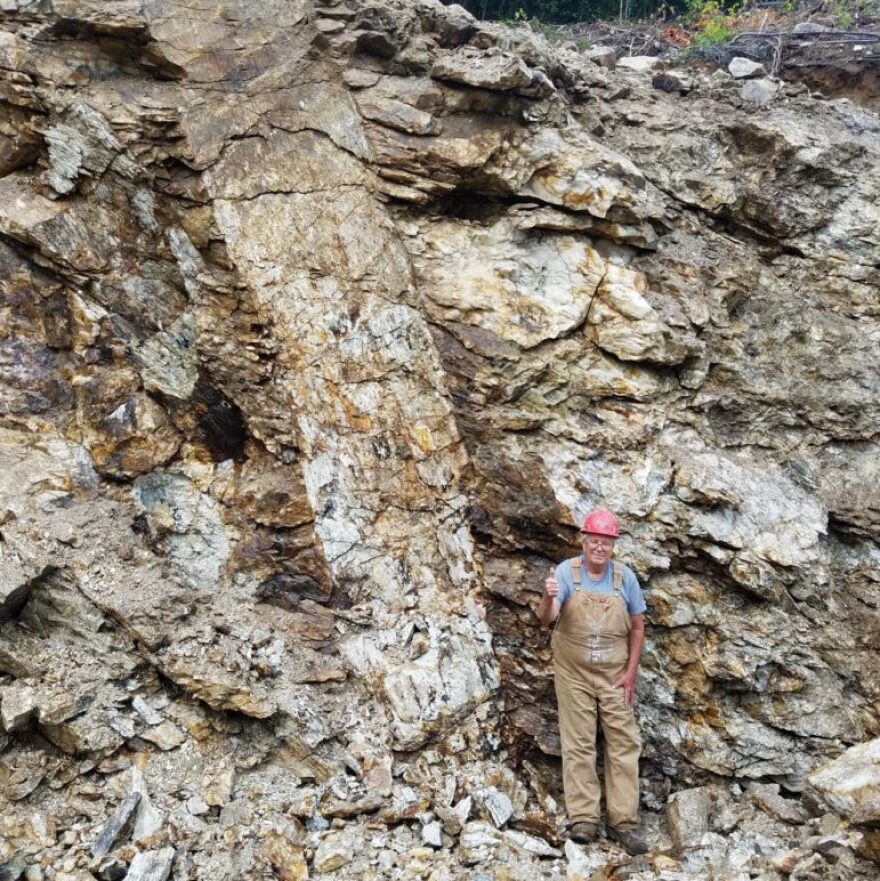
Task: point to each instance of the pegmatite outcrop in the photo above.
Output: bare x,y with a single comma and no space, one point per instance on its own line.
320,329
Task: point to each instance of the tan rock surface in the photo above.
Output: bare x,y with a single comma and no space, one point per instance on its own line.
321,327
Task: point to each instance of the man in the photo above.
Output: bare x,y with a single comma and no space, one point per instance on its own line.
596,646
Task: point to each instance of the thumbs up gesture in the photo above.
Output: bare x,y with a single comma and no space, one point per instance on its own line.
551,586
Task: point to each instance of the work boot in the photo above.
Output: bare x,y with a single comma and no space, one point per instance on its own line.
631,840
584,832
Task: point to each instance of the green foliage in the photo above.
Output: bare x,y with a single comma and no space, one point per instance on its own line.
852,13
714,33
848,12
714,21
843,12
565,11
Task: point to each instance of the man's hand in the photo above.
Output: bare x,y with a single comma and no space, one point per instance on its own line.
548,608
628,683
636,640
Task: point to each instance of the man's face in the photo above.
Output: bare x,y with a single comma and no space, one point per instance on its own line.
597,549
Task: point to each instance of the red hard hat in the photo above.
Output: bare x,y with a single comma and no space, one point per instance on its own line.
601,522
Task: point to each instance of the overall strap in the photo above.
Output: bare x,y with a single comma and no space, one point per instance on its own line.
616,575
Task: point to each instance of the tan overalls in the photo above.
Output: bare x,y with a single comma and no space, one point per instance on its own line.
590,652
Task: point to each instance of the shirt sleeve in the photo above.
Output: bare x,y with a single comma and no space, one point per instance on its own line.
564,580
635,599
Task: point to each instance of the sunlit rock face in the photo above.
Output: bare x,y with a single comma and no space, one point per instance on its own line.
320,330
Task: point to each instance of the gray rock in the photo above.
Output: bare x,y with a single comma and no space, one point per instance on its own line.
118,828
473,68
583,861
829,823
745,68
530,844
237,813
398,115
12,869
18,705
329,26
768,799
496,803
166,735
432,834
197,542
810,27
167,362
687,815
604,56
453,818
21,565
147,819
365,803
462,809
197,806
850,785
727,817
641,63
356,78
450,822
145,711
154,865
337,849
787,860
759,91
15,664
478,842
124,726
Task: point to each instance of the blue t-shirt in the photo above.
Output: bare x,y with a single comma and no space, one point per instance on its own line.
629,585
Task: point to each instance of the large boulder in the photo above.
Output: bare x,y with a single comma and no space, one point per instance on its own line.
850,785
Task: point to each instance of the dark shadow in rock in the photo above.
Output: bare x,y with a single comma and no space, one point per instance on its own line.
220,424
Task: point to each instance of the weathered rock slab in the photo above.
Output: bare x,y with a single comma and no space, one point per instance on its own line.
744,68
118,827
759,91
151,865
850,785
687,814
640,63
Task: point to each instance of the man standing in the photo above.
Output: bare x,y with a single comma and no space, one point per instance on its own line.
596,646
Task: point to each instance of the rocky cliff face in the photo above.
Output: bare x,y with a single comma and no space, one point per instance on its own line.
320,329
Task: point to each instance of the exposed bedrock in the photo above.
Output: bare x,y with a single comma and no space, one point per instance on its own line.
321,327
